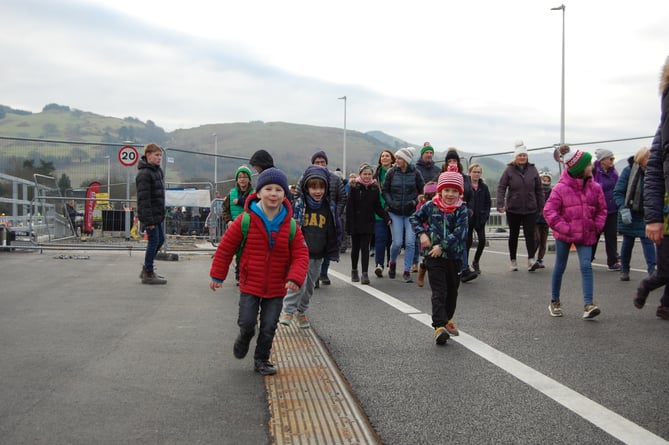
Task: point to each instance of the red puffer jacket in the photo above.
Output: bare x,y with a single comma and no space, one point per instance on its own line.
576,211
263,272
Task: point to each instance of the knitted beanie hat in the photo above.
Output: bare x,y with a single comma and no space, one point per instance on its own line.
320,154
404,153
452,154
315,172
603,153
576,161
243,169
365,166
519,148
426,148
430,188
272,176
452,180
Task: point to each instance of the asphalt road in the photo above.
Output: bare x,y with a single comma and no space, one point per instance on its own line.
89,355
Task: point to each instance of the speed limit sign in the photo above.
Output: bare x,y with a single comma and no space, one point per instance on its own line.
128,155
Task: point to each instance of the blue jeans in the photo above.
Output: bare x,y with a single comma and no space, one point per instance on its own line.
381,241
585,264
648,252
156,240
270,309
402,231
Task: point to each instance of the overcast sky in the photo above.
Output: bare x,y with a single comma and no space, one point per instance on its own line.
474,74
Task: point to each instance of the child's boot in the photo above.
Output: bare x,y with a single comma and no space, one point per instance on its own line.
354,276
421,275
365,278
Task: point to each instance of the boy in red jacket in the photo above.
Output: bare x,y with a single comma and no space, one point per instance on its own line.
270,263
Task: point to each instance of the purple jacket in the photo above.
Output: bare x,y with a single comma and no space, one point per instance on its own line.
608,182
576,211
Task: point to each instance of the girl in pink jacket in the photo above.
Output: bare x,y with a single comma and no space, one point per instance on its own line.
576,211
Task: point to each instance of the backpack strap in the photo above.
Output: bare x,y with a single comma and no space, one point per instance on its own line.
246,221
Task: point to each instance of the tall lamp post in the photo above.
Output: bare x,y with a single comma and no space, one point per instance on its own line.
108,177
343,167
215,161
562,8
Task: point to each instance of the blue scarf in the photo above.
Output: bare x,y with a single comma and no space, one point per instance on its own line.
272,226
314,204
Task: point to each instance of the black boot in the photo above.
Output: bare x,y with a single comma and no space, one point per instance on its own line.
354,276
264,367
364,279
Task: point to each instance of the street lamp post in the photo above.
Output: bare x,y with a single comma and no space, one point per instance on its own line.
562,8
215,160
108,178
343,167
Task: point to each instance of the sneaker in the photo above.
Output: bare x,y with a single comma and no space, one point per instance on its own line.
420,281
541,264
354,276
406,276
285,318
378,271
514,265
303,321
325,280
476,268
532,265
143,272
241,347
452,329
640,297
467,275
590,311
392,270
555,309
616,267
441,335
364,279
662,312
264,367
414,268
625,275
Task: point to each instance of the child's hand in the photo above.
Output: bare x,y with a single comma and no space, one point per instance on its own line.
425,241
435,252
213,285
292,286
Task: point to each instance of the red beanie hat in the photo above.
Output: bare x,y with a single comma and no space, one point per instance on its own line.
450,179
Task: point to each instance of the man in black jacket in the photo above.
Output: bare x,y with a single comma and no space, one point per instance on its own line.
151,208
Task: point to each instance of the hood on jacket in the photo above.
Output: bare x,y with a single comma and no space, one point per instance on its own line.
316,171
261,159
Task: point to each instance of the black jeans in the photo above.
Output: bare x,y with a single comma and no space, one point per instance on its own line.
270,309
660,277
444,278
610,239
515,220
360,249
480,234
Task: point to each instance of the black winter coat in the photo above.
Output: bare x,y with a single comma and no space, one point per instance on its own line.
401,190
150,193
363,203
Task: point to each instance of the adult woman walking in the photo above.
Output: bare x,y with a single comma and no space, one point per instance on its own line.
519,194
605,174
401,187
382,235
628,195
480,212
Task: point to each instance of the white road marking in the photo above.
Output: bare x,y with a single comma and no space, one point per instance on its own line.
614,424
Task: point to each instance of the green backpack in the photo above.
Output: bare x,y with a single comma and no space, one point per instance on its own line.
246,221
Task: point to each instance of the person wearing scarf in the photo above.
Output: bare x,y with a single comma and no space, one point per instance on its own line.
628,196
441,225
364,202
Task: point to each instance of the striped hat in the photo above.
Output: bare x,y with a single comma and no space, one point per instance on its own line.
576,161
404,153
452,180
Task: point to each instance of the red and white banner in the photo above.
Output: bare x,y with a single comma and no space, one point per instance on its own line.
92,190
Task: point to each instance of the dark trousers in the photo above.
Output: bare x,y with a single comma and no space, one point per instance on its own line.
610,239
360,249
156,239
444,278
270,309
480,234
660,277
515,220
540,240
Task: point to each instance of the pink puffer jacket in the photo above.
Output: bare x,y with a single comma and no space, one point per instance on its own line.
576,211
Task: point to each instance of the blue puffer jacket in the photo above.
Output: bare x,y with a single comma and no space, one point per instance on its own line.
655,188
401,190
150,193
638,227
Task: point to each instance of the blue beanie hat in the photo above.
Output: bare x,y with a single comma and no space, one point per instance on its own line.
319,154
316,172
272,176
